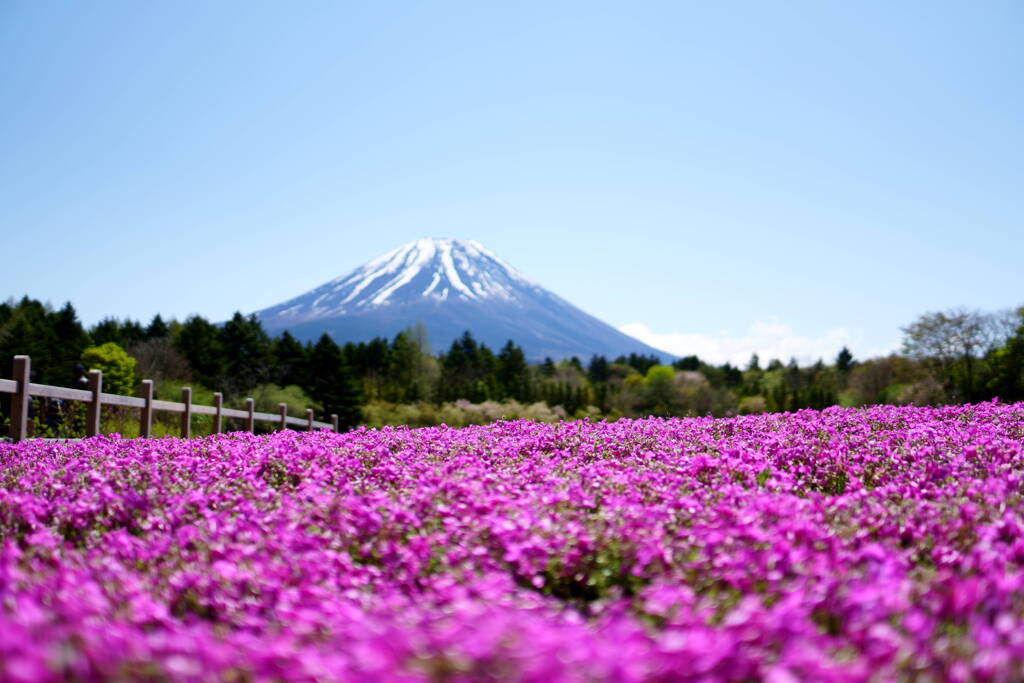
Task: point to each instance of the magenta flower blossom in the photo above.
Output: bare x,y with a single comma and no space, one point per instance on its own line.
842,545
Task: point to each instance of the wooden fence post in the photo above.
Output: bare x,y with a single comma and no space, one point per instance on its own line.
334,422
283,408
186,417
19,401
309,419
218,405
146,418
250,422
92,413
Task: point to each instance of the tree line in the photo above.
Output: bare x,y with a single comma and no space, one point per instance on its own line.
947,357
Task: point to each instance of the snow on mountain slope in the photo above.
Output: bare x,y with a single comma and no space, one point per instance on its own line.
438,269
450,286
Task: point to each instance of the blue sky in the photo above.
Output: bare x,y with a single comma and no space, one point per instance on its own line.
716,177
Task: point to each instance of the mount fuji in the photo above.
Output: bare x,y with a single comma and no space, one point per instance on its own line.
450,286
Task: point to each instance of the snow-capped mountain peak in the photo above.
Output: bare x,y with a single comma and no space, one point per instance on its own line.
434,268
450,285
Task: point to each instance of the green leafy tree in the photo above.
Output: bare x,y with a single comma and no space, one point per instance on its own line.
117,366
660,395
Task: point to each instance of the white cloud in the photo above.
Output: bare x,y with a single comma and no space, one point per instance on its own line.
768,340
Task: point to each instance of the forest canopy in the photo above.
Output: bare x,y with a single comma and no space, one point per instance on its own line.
952,356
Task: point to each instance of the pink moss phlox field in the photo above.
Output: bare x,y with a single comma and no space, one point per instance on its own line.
843,545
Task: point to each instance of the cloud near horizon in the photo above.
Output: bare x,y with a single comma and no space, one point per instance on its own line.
768,340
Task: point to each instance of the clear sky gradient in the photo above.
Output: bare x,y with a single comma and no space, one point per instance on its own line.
718,178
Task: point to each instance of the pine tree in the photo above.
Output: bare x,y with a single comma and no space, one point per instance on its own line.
331,383
411,368
844,361
131,333
157,328
513,373
598,370
70,340
688,363
469,370
199,341
290,359
247,353
106,330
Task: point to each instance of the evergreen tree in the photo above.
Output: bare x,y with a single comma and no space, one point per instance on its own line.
844,361
725,375
290,358
131,333
247,353
157,328
106,330
375,362
53,339
199,341
27,331
403,362
70,340
638,362
469,371
688,363
598,370
331,383
458,370
513,373
412,371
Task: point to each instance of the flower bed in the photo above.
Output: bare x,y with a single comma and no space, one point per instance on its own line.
842,545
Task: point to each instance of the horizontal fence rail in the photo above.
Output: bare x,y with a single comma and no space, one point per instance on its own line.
23,390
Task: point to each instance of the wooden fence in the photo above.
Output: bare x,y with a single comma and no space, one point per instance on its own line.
22,390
